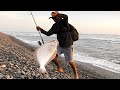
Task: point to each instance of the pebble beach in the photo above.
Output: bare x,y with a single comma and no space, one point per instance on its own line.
17,62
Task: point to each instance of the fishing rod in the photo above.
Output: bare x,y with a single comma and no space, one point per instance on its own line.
39,30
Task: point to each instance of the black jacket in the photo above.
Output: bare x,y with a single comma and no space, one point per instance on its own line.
62,31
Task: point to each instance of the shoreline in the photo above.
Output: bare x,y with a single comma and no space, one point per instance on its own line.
19,54
98,71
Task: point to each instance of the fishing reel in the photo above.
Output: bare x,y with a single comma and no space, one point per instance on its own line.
39,43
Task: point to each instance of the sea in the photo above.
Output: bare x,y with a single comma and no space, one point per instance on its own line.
101,50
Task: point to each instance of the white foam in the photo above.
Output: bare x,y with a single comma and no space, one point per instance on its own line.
98,62
28,41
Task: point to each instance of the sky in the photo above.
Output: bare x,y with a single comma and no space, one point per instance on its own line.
88,22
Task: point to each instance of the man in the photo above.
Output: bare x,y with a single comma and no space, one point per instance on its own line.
65,46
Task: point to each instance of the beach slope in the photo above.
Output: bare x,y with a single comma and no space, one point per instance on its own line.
17,62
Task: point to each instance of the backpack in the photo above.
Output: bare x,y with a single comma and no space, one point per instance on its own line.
74,32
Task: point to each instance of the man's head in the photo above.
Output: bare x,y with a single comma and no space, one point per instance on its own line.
55,16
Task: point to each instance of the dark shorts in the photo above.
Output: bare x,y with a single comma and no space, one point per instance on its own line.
68,52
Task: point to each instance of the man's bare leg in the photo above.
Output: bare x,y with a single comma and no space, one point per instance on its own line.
74,69
56,61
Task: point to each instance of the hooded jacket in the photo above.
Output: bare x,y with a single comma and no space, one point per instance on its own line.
62,30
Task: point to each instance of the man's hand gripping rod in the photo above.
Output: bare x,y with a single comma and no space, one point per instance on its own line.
39,30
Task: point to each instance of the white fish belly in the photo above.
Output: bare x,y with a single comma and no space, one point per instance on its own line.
46,53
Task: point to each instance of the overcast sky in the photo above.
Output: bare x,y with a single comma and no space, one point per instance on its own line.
100,22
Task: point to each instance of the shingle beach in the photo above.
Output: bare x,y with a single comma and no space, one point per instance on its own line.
17,62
